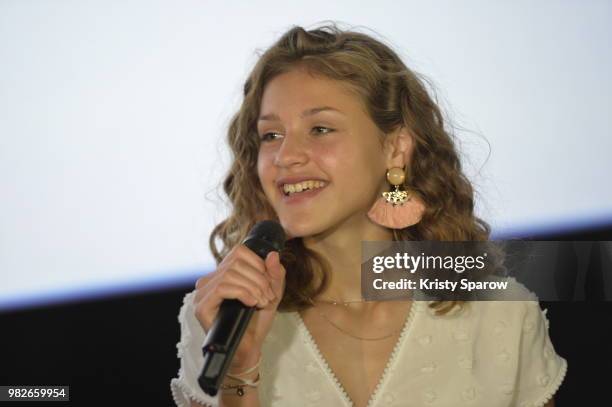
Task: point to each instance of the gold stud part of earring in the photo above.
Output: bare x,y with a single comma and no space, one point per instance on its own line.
396,177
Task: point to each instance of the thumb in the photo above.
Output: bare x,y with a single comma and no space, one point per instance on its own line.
276,270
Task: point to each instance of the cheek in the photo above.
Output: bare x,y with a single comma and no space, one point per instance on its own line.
352,168
264,161
260,165
265,170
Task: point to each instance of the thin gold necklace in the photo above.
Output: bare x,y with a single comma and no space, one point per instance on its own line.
345,303
361,338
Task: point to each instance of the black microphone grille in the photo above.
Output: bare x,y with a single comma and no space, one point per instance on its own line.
269,231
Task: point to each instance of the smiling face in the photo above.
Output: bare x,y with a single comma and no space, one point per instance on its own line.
339,148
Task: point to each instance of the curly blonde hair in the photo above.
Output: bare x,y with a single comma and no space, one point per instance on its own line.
394,96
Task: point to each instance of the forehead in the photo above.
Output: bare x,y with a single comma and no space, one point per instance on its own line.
300,89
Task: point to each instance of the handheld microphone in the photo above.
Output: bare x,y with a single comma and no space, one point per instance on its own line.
233,317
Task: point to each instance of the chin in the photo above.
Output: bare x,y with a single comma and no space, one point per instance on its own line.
300,228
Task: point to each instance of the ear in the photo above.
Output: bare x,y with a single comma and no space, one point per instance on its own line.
398,147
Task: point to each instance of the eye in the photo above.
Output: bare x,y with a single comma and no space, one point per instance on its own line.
267,136
317,129
325,128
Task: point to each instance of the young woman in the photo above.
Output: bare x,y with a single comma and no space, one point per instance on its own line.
330,121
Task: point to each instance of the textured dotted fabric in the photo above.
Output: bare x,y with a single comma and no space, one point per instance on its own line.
486,353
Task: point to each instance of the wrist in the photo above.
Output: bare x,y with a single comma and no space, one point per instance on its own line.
238,379
247,378
235,387
245,364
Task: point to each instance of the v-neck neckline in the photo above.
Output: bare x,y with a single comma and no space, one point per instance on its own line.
383,377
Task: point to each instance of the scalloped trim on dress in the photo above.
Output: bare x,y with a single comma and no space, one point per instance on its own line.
554,386
391,361
177,382
383,378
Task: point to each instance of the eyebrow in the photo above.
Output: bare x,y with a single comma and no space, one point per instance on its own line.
305,113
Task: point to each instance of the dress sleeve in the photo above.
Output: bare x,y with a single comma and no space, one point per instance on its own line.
541,370
185,387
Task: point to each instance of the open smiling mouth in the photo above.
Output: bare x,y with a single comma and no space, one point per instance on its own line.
302,190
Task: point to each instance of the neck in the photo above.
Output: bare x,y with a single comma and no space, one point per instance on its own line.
341,247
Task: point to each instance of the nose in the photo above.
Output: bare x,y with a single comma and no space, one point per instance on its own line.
292,151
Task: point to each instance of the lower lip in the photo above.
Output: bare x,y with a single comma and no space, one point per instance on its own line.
300,197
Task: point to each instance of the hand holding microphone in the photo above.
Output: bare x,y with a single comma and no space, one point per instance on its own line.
236,304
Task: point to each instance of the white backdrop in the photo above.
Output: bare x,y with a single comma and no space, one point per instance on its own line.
113,117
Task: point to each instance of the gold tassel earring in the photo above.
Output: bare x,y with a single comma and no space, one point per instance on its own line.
396,209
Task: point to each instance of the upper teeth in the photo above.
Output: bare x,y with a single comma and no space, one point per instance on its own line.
301,186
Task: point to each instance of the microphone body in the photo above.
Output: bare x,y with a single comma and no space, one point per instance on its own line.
233,317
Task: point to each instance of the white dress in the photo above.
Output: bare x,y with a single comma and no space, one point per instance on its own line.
488,353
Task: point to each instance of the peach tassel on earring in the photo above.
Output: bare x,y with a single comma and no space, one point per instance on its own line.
396,209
